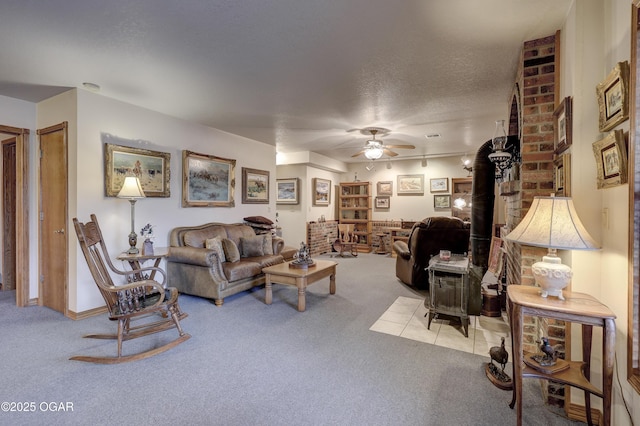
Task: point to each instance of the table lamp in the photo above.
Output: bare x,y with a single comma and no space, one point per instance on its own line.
552,222
132,191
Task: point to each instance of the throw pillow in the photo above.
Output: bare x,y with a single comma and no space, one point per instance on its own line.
259,219
230,250
252,246
267,244
215,244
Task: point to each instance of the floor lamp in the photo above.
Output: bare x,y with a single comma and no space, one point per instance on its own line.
132,191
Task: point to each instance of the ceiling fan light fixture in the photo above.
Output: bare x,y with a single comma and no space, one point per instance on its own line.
373,152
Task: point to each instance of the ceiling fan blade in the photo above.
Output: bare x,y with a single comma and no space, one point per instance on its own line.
401,146
389,152
359,153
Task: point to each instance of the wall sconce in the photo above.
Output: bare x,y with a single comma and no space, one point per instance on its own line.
501,157
423,163
370,166
132,190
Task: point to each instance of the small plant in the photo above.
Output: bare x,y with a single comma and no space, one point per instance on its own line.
147,231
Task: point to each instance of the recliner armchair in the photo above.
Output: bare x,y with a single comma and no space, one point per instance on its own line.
427,238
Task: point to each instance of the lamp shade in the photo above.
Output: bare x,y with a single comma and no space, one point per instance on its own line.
552,222
131,188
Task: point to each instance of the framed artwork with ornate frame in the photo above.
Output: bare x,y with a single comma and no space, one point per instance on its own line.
207,180
321,192
439,184
562,126
441,201
385,188
287,191
611,159
382,202
410,184
255,186
153,168
613,97
562,175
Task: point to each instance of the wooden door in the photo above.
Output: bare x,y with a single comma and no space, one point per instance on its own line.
53,217
9,214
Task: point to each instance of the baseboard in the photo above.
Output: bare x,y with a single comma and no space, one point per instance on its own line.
33,302
579,413
87,314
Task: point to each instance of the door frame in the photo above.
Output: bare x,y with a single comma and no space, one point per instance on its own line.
22,213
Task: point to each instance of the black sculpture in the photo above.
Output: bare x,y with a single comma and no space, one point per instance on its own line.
496,375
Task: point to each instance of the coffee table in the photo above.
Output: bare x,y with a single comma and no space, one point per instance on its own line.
299,277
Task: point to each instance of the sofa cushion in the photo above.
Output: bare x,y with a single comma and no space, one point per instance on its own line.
244,268
197,237
215,244
267,246
237,231
231,252
266,260
252,246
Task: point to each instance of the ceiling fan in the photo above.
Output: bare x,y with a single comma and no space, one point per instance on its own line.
374,148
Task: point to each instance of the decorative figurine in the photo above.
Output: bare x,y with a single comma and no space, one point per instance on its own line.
301,258
496,375
549,355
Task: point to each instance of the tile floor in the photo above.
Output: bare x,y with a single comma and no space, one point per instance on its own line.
405,318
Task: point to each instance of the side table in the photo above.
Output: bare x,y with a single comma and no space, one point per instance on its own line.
578,308
136,260
449,289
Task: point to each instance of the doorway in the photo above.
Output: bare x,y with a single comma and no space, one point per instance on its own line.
16,210
8,214
53,250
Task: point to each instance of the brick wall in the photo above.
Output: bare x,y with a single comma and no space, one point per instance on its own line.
320,236
537,86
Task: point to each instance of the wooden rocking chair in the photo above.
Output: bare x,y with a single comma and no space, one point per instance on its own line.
347,240
140,299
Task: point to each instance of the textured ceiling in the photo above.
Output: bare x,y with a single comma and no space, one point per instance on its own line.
299,74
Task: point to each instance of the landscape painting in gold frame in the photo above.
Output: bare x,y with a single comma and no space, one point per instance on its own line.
613,97
207,180
611,160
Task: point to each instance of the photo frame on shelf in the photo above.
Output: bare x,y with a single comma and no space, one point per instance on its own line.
385,188
611,160
152,167
207,180
255,186
382,202
562,175
562,126
410,184
439,184
321,192
287,191
613,97
442,201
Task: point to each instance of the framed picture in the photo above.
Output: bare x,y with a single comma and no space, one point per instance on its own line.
255,186
382,202
321,192
151,167
562,126
441,201
562,175
410,184
439,185
611,159
287,191
613,97
207,180
385,188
